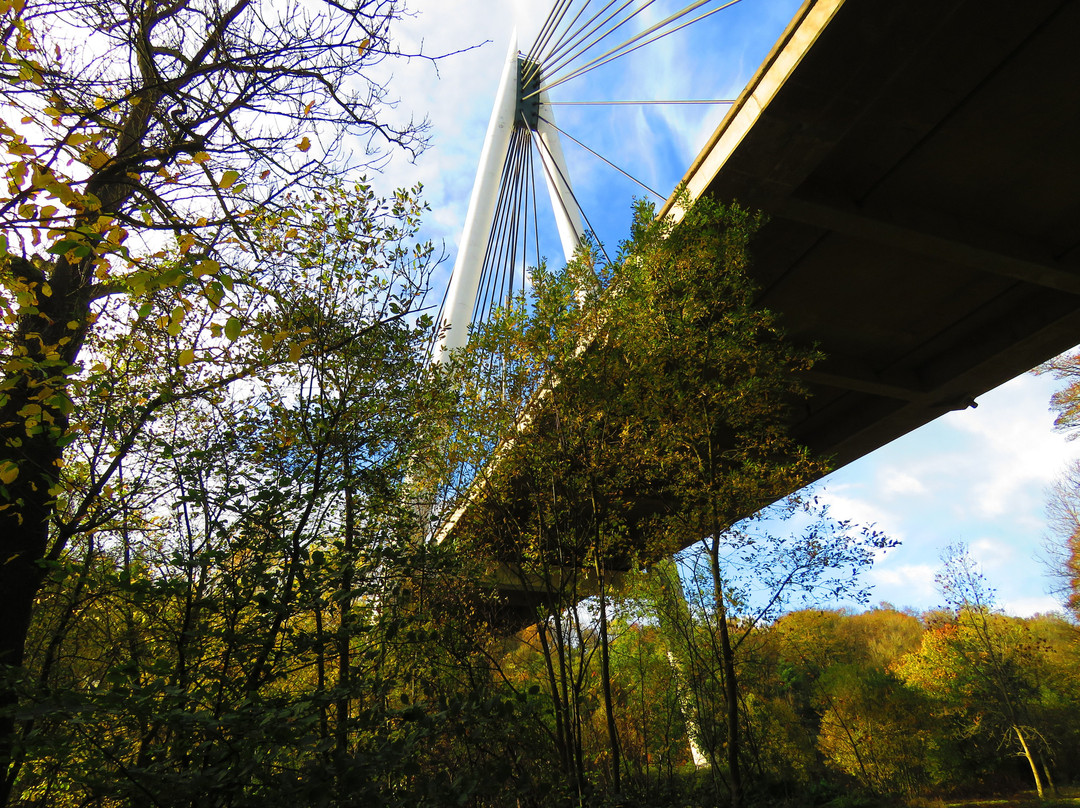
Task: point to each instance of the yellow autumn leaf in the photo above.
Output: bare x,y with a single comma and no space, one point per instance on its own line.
228,179
200,158
294,352
8,472
187,356
207,266
304,145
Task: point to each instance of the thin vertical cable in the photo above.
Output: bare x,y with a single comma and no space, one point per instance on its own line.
482,303
540,145
536,223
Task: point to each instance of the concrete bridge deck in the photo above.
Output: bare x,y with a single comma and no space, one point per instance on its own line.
920,162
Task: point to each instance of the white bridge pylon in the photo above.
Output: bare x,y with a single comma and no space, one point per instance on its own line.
514,109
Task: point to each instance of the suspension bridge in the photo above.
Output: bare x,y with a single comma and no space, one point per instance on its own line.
919,163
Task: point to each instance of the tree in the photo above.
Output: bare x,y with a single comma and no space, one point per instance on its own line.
1064,549
718,376
793,553
1067,400
231,610
644,405
1064,553
982,667
127,125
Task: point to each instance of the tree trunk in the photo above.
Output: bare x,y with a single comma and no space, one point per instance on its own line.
344,639
21,574
1030,760
605,681
731,690
45,342
1046,773
556,699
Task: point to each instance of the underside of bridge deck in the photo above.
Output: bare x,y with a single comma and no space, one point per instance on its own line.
920,164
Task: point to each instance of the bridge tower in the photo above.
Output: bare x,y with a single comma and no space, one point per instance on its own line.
519,105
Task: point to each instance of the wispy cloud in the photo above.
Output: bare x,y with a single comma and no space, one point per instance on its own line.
895,481
1028,606
905,584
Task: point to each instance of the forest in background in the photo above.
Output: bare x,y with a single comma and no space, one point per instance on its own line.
224,460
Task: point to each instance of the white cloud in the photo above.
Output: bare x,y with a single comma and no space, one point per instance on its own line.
992,554
1015,453
896,481
855,506
904,584
1028,606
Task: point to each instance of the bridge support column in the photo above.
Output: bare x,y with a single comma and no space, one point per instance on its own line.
465,280
512,110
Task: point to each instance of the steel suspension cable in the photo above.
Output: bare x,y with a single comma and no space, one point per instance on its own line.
624,49
497,254
558,11
506,289
510,243
601,157
540,145
542,59
575,35
714,102
533,50
566,60
535,212
489,268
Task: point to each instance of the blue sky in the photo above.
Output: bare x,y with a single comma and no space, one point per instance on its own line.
978,476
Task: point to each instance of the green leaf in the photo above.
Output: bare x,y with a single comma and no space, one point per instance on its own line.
233,328
61,247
